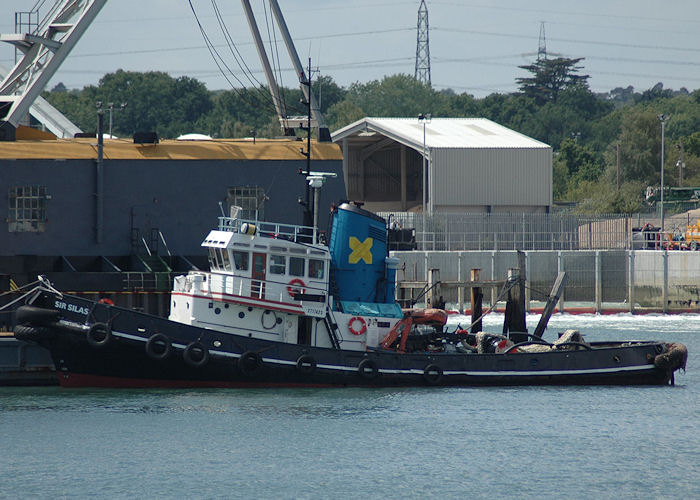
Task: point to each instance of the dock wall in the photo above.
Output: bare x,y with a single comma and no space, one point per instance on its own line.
597,280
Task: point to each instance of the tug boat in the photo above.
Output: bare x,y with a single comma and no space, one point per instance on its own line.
279,307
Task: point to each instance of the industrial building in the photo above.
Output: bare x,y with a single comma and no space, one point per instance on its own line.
146,209
471,165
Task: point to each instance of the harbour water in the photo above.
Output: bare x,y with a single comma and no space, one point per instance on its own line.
536,442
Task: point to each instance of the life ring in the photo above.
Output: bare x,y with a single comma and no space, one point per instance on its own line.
295,286
432,374
363,327
106,301
306,364
250,363
196,354
368,369
99,335
158,346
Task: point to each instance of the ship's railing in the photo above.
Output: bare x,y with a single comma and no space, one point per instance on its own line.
292,232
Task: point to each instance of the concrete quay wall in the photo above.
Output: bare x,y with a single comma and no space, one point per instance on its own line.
597,280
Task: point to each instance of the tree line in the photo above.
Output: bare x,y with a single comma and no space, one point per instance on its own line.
588,131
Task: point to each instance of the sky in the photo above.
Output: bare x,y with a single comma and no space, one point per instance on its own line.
475,46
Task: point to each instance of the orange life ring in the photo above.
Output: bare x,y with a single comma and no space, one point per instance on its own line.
105,300
362,329
295,286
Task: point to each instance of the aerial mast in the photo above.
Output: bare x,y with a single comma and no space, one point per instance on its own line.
422,73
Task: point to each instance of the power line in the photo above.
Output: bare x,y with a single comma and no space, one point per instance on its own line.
218,59
605,15
568,40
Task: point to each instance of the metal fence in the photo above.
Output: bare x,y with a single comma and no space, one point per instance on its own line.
597,280
523,231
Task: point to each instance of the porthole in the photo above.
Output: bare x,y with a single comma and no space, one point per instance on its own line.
217,310
241,315
226,306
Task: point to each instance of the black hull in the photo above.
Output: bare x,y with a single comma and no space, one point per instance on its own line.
87,359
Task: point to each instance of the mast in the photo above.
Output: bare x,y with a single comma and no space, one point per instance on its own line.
269,75
324,134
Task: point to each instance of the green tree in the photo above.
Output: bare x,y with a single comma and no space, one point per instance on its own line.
343,113
550,77
155,102
397,95
640,140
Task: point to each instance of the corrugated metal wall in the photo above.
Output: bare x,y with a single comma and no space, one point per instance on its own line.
492,177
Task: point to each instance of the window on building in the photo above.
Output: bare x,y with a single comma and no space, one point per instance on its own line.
296,266
251,199
27,208
278,264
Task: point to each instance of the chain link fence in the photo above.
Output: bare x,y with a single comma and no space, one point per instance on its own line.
459,231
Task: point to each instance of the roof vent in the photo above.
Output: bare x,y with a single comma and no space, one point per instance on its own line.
145,138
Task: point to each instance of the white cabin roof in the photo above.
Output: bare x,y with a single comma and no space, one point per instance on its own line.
218,239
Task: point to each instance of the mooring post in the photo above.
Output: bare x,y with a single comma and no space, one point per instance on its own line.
494,292
522,263
460,288
630,280
598,282
433,296
476,302
514,324
560,269
526,281
665,290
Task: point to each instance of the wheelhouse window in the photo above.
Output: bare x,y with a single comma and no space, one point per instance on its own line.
240,259
278,264
296,266
225,260
27,209
251,199
213,264
316,268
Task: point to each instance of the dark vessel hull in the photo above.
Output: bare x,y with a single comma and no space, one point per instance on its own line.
99,345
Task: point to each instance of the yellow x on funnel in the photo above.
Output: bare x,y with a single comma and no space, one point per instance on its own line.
361,250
